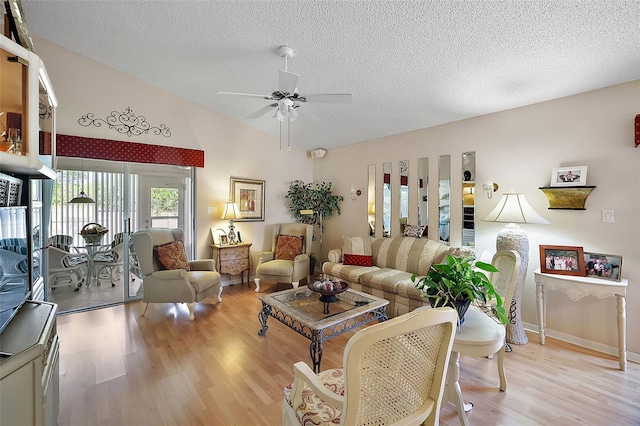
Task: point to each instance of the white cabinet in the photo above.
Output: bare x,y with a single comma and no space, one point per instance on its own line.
27,108
29,378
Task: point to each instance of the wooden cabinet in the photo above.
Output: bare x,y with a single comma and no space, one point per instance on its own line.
29,378
233,259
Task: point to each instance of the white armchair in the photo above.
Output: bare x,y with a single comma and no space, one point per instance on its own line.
162,285
289,268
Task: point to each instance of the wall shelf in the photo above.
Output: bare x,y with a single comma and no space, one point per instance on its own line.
567,197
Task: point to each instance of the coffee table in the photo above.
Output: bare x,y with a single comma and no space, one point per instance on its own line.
301,310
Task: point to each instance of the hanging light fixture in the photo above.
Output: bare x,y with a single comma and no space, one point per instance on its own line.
82,197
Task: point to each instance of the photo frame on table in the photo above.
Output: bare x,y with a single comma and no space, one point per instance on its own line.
248,194
605,266
224,240
569,176
563,260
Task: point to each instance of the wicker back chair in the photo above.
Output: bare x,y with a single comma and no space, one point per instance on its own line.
394,373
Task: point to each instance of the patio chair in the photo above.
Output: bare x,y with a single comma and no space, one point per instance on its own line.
109,260
14,269
66,269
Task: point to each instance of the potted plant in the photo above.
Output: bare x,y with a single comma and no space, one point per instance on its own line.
315,200
457,282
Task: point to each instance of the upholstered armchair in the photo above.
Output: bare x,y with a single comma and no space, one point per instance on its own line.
288,260
167,276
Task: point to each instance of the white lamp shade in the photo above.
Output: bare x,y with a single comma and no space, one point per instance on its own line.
231,211
514,208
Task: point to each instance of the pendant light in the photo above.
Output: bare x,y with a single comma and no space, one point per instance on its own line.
82,197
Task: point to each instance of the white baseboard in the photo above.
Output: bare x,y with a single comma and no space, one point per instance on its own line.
578,341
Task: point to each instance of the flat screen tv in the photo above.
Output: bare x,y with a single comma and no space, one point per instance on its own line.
14,262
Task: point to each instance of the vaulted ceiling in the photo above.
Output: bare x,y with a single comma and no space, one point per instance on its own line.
408,64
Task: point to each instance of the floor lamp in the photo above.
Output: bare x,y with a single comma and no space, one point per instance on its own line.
512,209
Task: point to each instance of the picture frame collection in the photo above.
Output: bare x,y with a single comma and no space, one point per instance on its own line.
573,260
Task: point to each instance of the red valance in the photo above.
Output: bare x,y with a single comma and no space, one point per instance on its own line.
134,152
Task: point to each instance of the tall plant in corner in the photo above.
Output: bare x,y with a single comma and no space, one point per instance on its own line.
316,197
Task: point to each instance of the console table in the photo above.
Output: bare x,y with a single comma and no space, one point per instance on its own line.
577,288
233,259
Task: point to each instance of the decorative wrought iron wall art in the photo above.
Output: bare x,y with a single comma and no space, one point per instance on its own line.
43,110
126,123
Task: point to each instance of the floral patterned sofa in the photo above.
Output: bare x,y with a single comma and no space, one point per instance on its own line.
383,267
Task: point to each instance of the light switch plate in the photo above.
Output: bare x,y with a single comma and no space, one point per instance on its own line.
607,216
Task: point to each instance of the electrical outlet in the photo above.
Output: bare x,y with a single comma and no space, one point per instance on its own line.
607,216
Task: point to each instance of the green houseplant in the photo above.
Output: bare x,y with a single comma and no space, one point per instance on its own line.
315,197
457,282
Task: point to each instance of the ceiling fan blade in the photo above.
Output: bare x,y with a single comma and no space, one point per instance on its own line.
306,113
268,97
262,111
337,98
287,81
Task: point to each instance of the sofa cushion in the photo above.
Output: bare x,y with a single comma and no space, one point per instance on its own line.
358,259
172,255
386,279
415,231
408,254
356,245
288,247
344,272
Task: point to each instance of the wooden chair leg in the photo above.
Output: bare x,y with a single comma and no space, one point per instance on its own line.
503,377
257,281
146,305
192,307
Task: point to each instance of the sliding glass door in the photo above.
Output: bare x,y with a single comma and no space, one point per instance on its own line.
126,197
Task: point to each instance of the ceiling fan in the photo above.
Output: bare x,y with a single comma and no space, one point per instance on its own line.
288,103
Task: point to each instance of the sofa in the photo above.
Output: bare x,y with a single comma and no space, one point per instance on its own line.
383,267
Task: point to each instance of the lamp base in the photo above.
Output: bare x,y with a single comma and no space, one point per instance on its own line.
512,237
232,234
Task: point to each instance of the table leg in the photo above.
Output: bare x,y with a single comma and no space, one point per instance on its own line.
622,331
315,350
263,316
541,311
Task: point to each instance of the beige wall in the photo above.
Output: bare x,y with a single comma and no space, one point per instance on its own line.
231,148
518,149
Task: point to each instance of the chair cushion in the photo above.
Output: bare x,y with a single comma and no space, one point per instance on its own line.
314,411
414,231
172,255
358,259
288,247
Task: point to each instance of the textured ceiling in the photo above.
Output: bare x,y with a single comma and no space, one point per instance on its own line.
408,64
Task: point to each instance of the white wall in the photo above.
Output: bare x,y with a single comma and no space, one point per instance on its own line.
231,148
518,149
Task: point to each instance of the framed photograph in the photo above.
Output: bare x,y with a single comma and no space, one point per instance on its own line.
605,266
564,260
569,176
248,194
223,240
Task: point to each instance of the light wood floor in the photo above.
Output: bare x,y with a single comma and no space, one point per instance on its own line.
117,368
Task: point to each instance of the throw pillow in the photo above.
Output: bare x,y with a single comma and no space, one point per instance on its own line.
356,245
415,231
288,247
358,260
172,255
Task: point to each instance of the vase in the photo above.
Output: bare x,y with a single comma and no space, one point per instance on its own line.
461,307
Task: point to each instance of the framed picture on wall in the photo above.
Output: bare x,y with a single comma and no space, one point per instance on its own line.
248,194
569,176
563,260
605,266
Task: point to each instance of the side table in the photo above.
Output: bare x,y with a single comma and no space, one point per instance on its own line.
577,288
232,259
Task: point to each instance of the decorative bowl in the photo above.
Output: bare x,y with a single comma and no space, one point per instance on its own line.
341,286
93,232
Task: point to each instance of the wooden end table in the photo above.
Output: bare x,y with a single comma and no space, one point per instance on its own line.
233,259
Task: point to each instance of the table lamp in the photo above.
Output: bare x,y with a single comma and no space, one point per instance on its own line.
231,212
513,208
